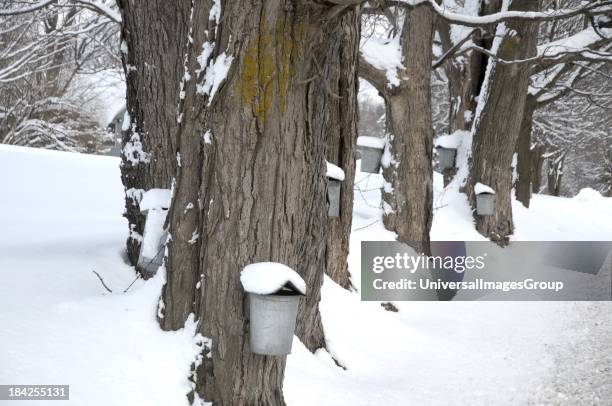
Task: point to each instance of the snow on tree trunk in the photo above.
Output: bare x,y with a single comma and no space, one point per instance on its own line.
335,117
149,54
250,180
555,172
407,196
524,166
498,122
463,90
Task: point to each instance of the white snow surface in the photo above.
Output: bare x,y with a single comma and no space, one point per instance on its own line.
156,199
266,278
371,142
577,42
587,195
384,54
59,325
334,172
451,141
481,188
216,73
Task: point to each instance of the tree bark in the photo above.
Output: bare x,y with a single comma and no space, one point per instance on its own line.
524,163
336,118
555,173
537,162
250,185
463,76
465,72
497,128
408,196
154,36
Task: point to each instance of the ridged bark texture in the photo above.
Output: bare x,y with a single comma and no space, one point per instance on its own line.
154,36
497,129
335,116
525,162
251,183
408,196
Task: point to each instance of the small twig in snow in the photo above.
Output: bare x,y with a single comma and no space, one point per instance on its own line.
134,281
102,282
366,226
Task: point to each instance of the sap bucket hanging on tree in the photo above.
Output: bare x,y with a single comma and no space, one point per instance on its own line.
335,176
446,146
274,291
446,158
485,199
154,205
371,149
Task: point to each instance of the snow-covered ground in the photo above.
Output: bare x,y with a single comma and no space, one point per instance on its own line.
61,219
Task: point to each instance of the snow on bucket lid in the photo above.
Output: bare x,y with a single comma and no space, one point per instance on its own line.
481,189
155,199
268,278
371,142
449,141
334,172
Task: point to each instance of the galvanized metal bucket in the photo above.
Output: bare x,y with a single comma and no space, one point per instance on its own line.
333,197
115,150
485,204
152,250
370,159
272,319
446,158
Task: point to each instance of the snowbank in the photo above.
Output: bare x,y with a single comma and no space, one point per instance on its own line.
155,199
267,278
588,195
334,172
71,330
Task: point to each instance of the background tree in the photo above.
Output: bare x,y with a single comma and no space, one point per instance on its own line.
405,84
47,55
578,45
498,120
336,117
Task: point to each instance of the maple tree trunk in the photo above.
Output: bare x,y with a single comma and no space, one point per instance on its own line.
524,165
537,162
153,63
336,116
245,152
408,194
498,126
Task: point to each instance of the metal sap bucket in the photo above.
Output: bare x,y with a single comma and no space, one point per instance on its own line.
115,150
485,204
154,239
333,197
370,159
446,157
272,319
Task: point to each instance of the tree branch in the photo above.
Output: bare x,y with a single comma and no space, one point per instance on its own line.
377,77
25,10
453,49
594,8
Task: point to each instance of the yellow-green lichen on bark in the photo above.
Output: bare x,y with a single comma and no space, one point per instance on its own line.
268,67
